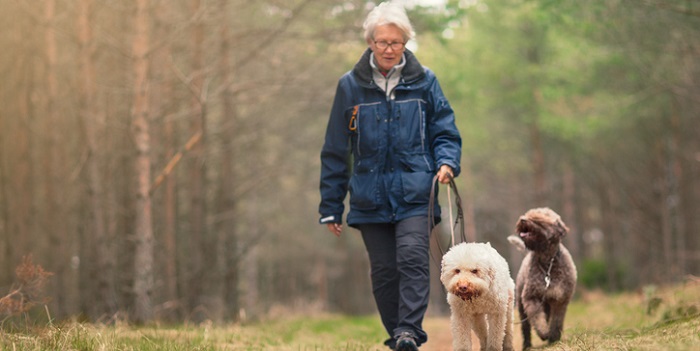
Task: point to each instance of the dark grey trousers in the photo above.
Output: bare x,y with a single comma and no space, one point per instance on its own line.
400,262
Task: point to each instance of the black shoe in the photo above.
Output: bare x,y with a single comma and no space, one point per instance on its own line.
406,342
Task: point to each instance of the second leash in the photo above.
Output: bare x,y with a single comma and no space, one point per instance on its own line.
456,224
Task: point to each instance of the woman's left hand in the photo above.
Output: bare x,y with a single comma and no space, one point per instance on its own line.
445,174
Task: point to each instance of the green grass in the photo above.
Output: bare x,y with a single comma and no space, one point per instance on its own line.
626,322
656,319
318,333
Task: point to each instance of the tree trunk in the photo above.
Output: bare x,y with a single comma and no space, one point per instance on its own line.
197,234
102,272
676,196
228,260
53,162
16,175
537,151
609,219
143,258
166,108
169,221
569,210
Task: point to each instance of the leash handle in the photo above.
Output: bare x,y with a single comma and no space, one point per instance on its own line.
449,205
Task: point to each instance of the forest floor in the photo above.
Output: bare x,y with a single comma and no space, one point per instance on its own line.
650,319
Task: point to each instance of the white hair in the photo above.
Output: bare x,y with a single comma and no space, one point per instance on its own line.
389,12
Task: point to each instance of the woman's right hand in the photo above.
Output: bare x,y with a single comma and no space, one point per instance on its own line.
335,228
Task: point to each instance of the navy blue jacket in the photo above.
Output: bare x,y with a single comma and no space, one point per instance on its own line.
385,152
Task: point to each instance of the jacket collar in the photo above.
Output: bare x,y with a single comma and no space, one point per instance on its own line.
396,70
411,72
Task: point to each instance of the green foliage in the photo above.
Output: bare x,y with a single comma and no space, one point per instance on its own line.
593,274
428,20
521,61
653,302
680,312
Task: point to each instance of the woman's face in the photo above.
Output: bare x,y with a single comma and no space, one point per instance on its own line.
386,35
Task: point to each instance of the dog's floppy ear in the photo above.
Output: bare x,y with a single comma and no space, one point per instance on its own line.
443,266
491,272
561,227
446,272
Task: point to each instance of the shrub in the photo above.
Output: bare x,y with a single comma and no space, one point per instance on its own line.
593,274
27,291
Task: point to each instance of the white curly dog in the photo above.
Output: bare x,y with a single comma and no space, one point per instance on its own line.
480,294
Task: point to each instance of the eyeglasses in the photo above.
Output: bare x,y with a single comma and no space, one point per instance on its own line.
383,45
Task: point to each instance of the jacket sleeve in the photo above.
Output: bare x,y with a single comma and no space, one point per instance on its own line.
335,156
445,141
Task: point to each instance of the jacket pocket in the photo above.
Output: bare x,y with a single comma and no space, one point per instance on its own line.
363,188
417,178
366,129
412,125
416,187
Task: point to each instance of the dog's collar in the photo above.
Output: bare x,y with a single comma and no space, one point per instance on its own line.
547,273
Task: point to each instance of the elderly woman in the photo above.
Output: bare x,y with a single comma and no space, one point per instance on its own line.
391,121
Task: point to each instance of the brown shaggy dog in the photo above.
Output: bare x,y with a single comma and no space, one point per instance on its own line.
547,277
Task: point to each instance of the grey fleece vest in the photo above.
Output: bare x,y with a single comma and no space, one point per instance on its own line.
391,80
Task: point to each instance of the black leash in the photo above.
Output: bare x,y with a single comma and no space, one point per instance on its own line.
458,222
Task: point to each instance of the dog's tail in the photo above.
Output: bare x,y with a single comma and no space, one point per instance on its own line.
519,244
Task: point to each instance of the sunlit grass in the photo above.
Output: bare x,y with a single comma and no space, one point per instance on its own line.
326,332
625,322
595,321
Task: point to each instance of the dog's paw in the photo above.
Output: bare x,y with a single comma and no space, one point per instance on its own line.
517,242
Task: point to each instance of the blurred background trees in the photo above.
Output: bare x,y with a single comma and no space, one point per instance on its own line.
161,158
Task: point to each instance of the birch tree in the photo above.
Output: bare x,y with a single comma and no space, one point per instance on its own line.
143,258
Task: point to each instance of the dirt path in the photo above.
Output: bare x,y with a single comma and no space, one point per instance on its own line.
440,337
